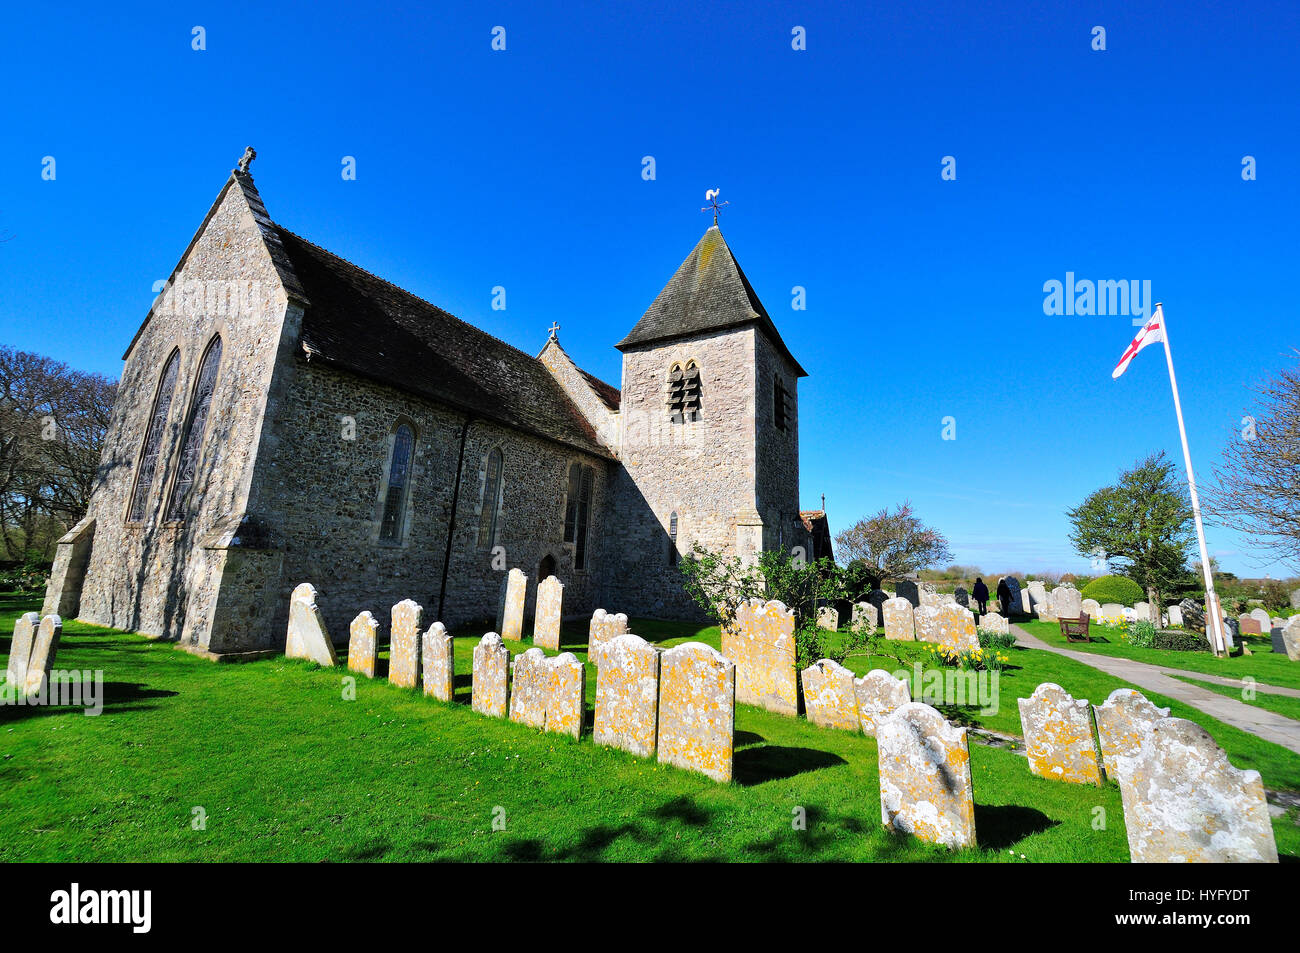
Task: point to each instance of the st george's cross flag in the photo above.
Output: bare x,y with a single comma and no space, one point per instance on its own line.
1153,332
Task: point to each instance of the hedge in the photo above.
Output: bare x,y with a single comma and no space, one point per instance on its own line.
1120,589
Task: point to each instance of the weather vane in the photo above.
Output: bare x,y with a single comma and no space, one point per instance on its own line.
711,196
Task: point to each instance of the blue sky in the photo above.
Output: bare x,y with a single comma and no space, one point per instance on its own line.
522,169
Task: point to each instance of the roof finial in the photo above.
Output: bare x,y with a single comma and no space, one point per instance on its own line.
823,502
711,196
555,328
246,160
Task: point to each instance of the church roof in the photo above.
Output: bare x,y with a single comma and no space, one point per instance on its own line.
709,292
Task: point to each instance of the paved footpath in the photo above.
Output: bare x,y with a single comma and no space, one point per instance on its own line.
1156,678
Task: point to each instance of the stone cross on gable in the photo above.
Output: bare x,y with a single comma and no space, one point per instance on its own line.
555,328
246,160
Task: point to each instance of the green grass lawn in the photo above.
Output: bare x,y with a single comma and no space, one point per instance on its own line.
285,768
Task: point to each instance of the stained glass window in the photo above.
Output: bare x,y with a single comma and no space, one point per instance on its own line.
192,440
399,469
153,435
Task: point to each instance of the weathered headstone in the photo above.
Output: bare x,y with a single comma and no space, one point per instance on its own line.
1125,719
909,590
1193,616
828,697
760,642
44,648
925,777
929,595
1066,602
1249,625
1184,803
878,598
550,606
899,619
927,623
490,690
955,627
994,622
1263,618
828,618
1291,638
1044,610
548,692
604,628
1035,595
865,618
1295,599
363,636
1091,607
1112,612
627,696
307,638
20,650
438,662
879,694
697,710
1143,610
1017,606
404,644
961,597
510,617
1175,615
1059,736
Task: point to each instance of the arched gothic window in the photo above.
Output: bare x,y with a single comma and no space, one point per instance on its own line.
577,512
195,425
153,434
684,392
399,472
487,522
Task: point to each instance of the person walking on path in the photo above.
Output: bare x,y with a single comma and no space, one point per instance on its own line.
1004,597
981,595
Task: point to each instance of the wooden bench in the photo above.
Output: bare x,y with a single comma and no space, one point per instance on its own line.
1075,630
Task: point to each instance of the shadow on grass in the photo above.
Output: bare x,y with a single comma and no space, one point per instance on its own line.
1000,826
117,697
775,763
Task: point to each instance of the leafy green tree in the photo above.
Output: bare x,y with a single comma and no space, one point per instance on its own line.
1142,524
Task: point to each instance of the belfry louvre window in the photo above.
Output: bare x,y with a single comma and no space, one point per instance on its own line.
195,426
399,472
487,524
162,406
779,411
684,392
577,512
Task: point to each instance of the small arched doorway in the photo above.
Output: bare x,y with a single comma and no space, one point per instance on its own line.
546,567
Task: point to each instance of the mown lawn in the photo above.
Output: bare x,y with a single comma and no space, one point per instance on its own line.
284,768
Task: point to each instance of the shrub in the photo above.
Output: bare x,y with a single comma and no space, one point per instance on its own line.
996,640
1180,641
1119,589
1142,635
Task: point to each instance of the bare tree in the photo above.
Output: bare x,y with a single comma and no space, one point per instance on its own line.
893,544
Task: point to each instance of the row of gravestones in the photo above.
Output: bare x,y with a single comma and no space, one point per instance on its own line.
31,653
948,624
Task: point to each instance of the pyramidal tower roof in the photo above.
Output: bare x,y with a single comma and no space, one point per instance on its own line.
709,292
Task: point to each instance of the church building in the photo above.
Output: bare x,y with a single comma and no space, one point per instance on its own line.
285,416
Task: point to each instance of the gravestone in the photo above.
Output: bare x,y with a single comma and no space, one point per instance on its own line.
1175,615
490,689
548,692
908,589
363,637
531,685
1043,610
1290,638
925,777
1017,606
899,620
1249,625
1066,602
438,662
20,650
510,617
307,638
961,597
1112,612
1092,607
879,694
404,644
1059,736
828,618
1295,599
1262,617
929,595
1279,645
697,710
627,696
604,628
955,627
550,610
828,697
1143,610
1125,719
994,622
1035,595
44,648
927,623
1184,803
1193,616
865,618
878,598
760,642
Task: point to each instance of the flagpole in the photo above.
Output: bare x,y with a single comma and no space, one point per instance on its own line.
1217,641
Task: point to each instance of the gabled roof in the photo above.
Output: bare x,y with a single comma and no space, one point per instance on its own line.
709,292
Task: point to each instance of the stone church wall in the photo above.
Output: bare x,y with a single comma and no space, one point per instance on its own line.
777,469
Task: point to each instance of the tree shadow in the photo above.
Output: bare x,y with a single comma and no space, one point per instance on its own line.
1000,826
117,697
743,738
775,763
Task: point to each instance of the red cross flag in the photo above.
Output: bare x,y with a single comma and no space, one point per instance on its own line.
1153,332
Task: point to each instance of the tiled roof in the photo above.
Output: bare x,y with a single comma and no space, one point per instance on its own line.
608,393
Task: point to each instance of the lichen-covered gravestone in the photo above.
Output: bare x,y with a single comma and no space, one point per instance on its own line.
44,649
550,610
879,694
1125,719
604,628
994,622
927,623
307,638
925,777
899,620
828,618
828,698
760,642
1059,736
697,710
514,592
490,690
20,650
930,596
363,635
627,696
865,618
955,627
404,644
548,692
1291,638
1184,803
437,660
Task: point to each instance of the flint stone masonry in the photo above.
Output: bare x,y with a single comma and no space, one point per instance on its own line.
510,618
363,637
550,611
1184,803
866,618
879,694
760,642
20,649
490,691
627,696
307,636
1291,638
1123,722
1066,602
604,628
927,623
548,693
1059,736
437,662
828,696
955,627
994,622
925,777
697,710
909,590
899,620
404,644
828,618
44,650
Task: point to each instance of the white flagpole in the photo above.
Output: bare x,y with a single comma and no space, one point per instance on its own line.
1214,620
